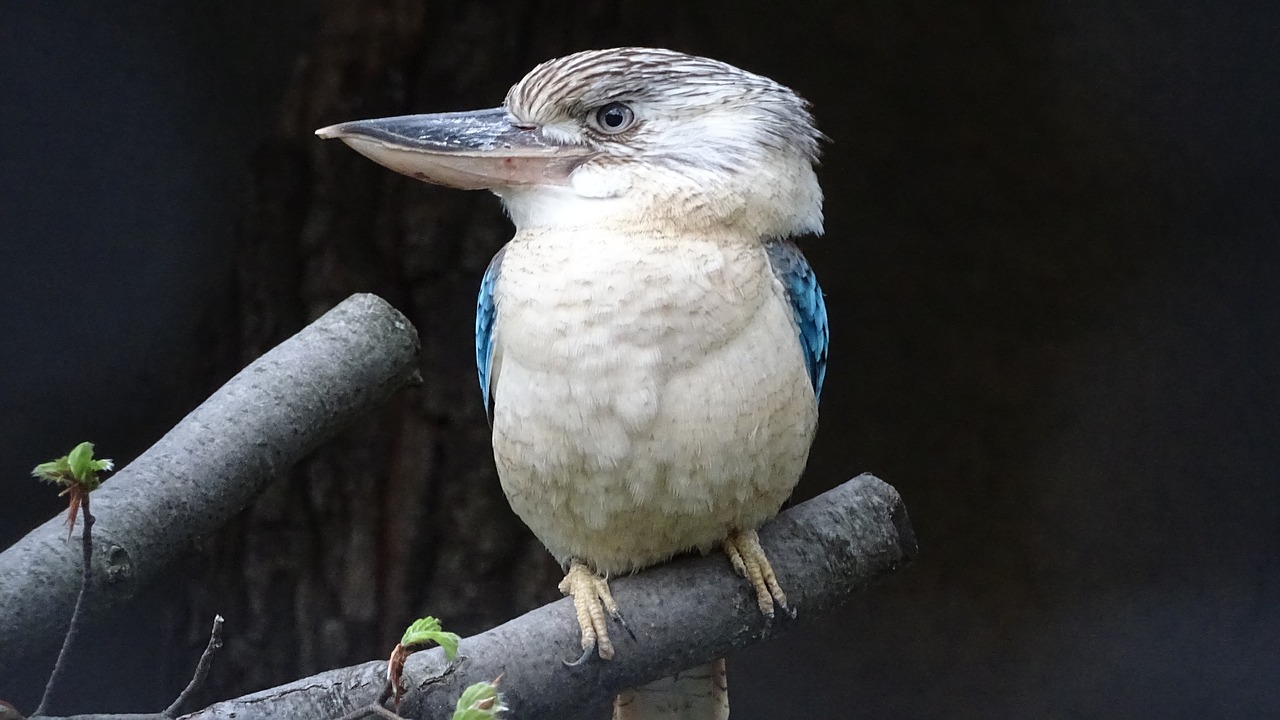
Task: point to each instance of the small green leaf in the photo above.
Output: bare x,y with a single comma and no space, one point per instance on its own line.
420,631
449,641
427,630
81,459
54,471
84,467
479,702
76,467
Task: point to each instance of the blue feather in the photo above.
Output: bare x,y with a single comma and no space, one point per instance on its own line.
486,316
807,306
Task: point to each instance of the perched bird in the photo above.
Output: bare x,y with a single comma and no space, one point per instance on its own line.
651,345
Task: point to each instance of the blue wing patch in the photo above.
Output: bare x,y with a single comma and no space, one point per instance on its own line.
807,306
486,316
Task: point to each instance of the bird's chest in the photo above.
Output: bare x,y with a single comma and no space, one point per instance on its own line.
649,391
591,309
591,332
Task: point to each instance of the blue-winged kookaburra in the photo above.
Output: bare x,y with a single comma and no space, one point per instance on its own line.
651,345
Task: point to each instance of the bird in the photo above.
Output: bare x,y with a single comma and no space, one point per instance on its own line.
651,344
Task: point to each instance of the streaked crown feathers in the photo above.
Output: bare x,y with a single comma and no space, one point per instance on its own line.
700,126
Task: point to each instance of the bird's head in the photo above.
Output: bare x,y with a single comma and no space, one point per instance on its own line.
643,138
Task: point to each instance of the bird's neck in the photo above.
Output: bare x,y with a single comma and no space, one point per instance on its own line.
627,240
563,211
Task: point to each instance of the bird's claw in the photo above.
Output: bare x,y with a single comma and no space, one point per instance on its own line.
588,652
748,558
591,600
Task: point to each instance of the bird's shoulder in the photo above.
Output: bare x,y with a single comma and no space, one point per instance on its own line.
808,307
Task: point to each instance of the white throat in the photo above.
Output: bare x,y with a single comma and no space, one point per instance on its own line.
777,199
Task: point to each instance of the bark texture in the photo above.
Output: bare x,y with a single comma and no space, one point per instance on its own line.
205,471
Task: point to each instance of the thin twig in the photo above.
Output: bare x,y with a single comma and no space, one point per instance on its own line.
86,542
202,668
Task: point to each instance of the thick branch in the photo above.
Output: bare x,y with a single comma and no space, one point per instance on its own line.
207,468
683,613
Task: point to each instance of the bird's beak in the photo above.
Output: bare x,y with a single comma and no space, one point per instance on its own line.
476,150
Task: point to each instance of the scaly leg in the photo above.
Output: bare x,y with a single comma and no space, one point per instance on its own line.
748,558
591,600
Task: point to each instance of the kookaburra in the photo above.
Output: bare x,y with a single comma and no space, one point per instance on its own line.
651,344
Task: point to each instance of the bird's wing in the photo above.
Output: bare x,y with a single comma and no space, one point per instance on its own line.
486,317
807,306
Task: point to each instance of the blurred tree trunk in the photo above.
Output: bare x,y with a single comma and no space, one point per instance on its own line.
402,516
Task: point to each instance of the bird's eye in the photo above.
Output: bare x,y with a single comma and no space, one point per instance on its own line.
614,118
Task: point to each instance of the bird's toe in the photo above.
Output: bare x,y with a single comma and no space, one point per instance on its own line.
591,601
749,560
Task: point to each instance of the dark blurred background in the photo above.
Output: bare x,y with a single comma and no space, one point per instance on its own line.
1052,263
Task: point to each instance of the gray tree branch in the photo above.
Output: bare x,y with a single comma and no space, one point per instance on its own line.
272,413
206,469
684,613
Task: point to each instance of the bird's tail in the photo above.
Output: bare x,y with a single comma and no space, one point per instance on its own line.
700,693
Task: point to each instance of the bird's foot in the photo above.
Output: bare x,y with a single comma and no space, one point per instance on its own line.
591,600
748,558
